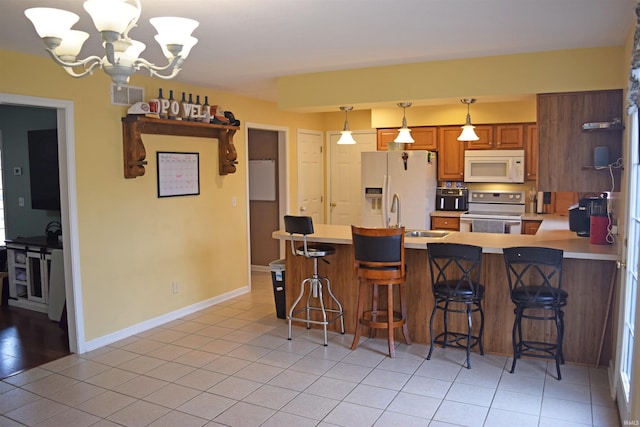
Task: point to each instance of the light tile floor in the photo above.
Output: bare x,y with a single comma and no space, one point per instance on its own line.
232,365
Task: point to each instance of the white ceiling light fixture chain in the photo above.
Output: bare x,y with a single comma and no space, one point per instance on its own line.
404,134
468,133
113,19
346,138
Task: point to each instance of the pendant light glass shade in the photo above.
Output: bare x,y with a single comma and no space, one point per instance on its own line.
346,138
468,133
404,134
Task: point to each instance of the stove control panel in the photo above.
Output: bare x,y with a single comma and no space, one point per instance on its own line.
500,197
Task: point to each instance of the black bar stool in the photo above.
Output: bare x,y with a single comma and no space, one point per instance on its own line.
456,270
535,283
303,225
379,261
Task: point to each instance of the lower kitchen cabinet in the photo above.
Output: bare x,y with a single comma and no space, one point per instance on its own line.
445,223
530,226
28,269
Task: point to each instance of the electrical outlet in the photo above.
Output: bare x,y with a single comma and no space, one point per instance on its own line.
175,287
21,202
234,201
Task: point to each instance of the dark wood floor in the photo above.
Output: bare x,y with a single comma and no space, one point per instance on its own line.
28,339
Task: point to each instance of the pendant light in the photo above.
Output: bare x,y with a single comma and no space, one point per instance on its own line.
404,135
346,138
468,134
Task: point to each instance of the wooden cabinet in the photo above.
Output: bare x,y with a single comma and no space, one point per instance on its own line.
485,133
566,151
385,136
530,226
509,137
445,223
450,154
498,137
531,152
425,138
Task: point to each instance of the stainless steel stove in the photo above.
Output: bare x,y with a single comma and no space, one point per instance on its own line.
494,212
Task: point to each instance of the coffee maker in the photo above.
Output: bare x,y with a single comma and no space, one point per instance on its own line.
580,214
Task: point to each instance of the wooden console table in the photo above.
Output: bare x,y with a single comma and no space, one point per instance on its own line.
135,154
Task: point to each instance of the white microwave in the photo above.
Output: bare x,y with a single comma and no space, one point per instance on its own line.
494,166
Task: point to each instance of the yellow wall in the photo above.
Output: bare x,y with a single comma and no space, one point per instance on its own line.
496,76
132,244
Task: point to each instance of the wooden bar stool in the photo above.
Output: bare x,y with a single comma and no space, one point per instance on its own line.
379,261
303,225
535,286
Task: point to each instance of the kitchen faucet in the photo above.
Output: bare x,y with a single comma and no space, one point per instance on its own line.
395,207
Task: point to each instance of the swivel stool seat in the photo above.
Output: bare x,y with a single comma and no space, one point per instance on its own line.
535,287
303,226
456,270
379,261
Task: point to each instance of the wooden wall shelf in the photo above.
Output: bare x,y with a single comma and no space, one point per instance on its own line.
135,154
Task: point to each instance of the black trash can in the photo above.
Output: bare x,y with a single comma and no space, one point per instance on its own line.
277,279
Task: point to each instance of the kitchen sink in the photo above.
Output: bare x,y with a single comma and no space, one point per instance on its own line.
426,233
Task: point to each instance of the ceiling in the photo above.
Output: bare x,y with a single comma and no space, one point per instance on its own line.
244,45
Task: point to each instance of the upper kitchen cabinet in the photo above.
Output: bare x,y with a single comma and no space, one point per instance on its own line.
509,137
498,137
385,136
531,152
485,141
425,138
566,150
450,154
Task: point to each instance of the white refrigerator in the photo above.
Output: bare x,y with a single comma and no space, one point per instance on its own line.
403,181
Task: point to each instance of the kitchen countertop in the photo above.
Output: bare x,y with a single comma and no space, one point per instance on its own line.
553,233
35,241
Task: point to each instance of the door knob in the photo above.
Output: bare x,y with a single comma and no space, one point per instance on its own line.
303,209
620,264
333,204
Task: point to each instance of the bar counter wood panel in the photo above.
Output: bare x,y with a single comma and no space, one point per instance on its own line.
586,281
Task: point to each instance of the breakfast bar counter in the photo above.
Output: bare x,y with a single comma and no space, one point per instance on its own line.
588,276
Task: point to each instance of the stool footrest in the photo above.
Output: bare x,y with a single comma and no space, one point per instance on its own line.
339,314
547,349
381,321
456,339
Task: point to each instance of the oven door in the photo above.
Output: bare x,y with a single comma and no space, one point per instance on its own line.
490,225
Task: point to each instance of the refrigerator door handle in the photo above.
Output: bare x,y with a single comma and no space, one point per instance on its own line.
385,201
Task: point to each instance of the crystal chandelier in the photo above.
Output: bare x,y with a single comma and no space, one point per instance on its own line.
113,19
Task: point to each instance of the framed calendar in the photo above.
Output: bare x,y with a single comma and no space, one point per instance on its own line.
178,174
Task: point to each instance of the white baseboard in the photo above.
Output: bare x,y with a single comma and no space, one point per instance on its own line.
160,320
264,268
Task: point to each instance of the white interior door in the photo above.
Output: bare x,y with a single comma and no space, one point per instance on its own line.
626,380
310,175
345,199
